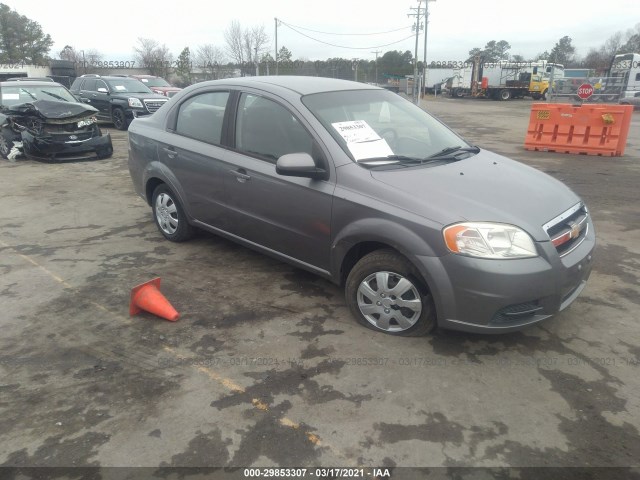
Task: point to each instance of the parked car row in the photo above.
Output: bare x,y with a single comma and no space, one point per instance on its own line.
118,99
41,119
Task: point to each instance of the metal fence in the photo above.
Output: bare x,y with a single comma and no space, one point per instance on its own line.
603,90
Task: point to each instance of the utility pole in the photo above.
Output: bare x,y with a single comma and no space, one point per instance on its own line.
416,96
424,58
276,20
377,52
354,66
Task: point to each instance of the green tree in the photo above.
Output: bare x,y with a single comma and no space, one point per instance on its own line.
563,51
395,62
493,51
284,55
183,67
22,39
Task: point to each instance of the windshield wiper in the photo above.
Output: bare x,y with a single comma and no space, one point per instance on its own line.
55,96
391,160
451,152
28,93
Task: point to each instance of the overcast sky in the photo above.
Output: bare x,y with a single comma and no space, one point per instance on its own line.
455,26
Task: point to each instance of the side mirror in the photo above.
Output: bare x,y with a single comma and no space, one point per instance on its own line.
103,90
299,165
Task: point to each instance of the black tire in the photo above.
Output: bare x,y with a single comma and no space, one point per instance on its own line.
536,96
504,94
169,215
118,118
5,144
384,312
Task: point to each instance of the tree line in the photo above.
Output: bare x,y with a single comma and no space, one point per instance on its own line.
564,52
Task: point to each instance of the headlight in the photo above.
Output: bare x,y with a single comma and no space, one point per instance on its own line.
135,102
489,240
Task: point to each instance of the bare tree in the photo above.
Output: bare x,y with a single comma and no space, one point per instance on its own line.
156,58
234,38
246,45
210,58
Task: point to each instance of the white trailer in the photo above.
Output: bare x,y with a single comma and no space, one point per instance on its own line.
624,75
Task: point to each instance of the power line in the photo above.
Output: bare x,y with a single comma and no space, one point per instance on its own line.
343,46
332,33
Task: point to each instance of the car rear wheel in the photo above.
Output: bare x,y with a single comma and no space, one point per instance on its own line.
169,215
384,294
118,119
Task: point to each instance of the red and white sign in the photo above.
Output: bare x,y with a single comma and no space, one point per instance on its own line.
585,91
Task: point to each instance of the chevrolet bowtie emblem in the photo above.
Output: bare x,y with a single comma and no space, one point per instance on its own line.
575,230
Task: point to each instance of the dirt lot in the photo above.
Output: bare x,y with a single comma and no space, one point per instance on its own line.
266,367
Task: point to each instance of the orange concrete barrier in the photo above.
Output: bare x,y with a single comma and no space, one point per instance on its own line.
586,129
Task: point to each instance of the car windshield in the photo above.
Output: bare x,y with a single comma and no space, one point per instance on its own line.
128,85
22,94
155,82
378,124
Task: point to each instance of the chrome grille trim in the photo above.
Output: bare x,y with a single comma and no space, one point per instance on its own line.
154,105
563,215
560,219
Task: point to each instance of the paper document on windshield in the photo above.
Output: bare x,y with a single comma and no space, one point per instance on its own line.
362,140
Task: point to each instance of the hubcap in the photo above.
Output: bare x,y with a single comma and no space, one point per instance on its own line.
166,214
389,301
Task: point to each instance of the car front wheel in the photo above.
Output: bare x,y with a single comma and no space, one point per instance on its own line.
5,146
118,119
169,215
384,294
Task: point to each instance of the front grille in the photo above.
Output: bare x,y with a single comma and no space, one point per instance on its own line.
569,229
154,105
516,313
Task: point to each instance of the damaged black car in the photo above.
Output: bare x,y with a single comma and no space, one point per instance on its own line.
44,121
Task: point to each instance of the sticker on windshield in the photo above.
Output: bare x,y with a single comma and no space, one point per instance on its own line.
120,88
362,140
11,96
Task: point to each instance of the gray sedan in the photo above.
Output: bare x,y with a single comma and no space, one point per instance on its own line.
360,186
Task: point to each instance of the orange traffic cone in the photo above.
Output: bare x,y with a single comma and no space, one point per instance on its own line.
147,297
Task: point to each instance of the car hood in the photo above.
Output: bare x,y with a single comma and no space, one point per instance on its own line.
166,89
484,187
52,110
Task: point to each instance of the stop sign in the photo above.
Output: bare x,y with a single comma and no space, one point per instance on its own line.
585,91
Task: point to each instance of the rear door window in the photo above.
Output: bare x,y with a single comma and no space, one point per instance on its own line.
201,117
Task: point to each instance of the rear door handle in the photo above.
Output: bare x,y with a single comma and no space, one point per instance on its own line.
171,153
241,175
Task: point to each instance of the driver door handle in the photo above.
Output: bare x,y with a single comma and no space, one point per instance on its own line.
241,175
171,153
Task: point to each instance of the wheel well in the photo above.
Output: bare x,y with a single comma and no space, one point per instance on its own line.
152,184
355,254
364,248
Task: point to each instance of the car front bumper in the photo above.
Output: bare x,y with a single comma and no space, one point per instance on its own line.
44,148
499,296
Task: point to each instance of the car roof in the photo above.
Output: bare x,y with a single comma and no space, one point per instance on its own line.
30,83
299,84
